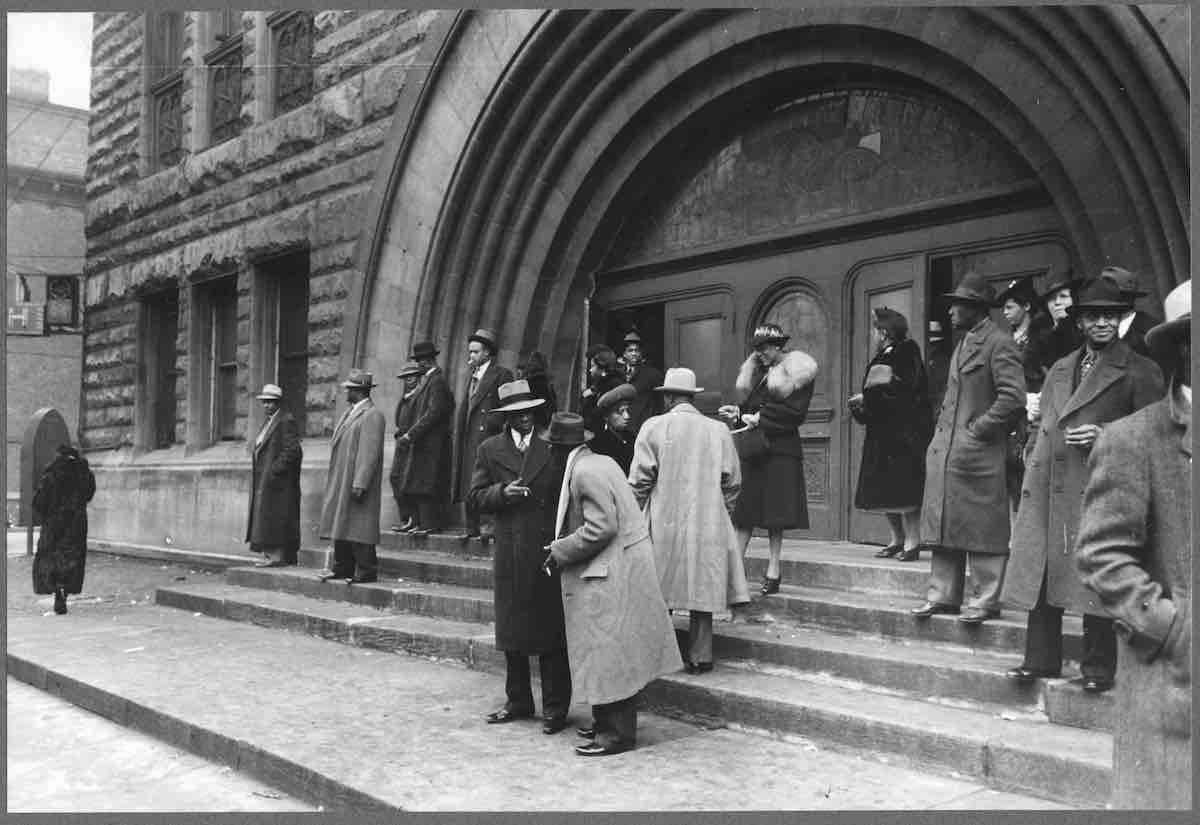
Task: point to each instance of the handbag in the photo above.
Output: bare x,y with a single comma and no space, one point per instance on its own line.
751,443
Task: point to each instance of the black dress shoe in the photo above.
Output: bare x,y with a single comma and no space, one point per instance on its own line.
596,749
1026,675
1091,685
553,724
362,580
912,554
769,585
587,733
978,615
889,551
504,715
60,601
929,608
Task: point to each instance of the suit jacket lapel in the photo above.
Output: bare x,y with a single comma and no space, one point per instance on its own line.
508,455
535,457
1108,369
259,443
351,415
485,385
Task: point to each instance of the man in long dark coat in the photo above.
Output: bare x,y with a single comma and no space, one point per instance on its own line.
964,513
1135,553
274,524
1098,383
644,377
426,477
61,498
516,479
353,488
406,508
472,424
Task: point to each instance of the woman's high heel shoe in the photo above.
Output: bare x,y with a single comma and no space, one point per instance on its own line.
769,585
60,601
912,554
889,551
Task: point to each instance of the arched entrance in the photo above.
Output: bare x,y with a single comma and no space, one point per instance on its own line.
519,182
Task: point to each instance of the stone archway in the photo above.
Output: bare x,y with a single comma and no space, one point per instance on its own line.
540,130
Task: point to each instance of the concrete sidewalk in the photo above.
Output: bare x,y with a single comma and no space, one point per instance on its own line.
341,726
62,759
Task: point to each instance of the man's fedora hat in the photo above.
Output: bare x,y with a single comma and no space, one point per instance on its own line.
632,337
1057,279
271,392
681,380
1018,289
768,334
411,369
359,380
486,337
566,429
972,288
1125,280
424,349
1178,324
615,396
1102,294
516,396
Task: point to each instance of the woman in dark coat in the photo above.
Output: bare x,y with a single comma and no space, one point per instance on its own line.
534,369
894,406
603,375
775,387
60,501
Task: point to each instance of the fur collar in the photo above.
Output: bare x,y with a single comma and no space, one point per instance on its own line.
796,370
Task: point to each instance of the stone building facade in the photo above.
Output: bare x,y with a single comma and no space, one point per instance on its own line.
44,255
286,195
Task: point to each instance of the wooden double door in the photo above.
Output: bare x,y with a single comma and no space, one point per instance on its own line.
703,318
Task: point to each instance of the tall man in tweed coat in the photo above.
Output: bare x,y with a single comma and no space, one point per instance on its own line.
353,487
1135,553
686,477
1098,383
472,424
965,513
619,636
273,528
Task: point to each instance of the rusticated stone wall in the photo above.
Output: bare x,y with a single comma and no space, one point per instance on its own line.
293,182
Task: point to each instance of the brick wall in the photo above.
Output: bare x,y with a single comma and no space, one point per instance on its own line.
299,180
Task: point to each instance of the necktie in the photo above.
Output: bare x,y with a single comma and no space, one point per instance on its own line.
471,387
1085,366
524,443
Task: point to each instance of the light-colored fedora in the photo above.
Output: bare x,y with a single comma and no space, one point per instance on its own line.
516,396
359,380
680,379
271,392
1178,312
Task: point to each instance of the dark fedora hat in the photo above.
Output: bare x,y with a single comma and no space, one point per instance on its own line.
424,349
972,288
566,429
769,334
411,369
1057,279
1100,293
1125,280
487,337
1020,290
632,337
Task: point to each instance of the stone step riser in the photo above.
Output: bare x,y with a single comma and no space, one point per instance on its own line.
890,669
905,580
994,763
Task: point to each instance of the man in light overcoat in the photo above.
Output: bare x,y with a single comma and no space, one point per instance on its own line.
619,635
686,477
273,528
1098,383
425,480
965,511
472,424
353,487
1134,551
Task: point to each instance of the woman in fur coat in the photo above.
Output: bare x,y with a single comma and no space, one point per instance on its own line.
775,388
60,500
894,407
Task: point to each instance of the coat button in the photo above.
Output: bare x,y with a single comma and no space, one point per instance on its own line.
1145,605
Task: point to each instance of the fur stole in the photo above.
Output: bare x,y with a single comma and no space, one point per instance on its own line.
796,370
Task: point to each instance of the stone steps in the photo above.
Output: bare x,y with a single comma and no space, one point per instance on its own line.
766,678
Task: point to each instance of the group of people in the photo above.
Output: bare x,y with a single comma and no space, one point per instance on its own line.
1053,478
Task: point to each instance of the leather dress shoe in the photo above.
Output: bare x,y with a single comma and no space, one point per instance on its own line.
420,531
329,575
362,580
912,554
889,551
978,615
587,733
1026,675
553,724
596,749
504,715
929,608
1092,685
698,667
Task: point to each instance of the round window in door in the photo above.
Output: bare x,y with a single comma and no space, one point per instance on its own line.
798,311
